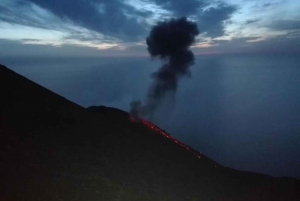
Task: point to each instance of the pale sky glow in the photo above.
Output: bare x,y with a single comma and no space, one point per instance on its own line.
158,12
119,24
19,32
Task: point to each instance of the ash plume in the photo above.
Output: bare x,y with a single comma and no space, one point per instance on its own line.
170,41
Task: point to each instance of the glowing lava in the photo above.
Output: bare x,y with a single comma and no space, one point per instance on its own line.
164,133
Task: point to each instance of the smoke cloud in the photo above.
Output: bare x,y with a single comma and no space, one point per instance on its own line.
170,41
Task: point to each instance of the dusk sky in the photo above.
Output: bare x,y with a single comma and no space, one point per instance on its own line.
119,27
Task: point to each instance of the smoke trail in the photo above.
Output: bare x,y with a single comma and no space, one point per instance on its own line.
170,41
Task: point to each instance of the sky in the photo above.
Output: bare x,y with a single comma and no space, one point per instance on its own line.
119,27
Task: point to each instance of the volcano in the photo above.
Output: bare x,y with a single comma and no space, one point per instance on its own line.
53,149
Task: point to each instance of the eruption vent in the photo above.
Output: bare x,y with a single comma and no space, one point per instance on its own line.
170,41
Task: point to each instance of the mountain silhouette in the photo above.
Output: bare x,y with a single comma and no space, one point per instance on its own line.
53,149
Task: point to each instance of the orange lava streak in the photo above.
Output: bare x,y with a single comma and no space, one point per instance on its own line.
165,134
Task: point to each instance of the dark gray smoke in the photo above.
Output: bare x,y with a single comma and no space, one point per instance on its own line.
170,41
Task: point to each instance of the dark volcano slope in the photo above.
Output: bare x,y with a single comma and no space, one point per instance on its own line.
53,149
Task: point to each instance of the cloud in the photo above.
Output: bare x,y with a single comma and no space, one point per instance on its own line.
27,14
182,8
25,48
37,49
286,44
89,36
285,25
240,40
212,21
268,5
251,21
113,18
283,44
211,16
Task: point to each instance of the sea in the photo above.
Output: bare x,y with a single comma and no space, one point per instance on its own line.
243,111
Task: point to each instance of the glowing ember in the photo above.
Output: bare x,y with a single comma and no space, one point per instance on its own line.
164,133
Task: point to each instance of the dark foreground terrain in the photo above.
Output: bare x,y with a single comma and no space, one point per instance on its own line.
53,149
